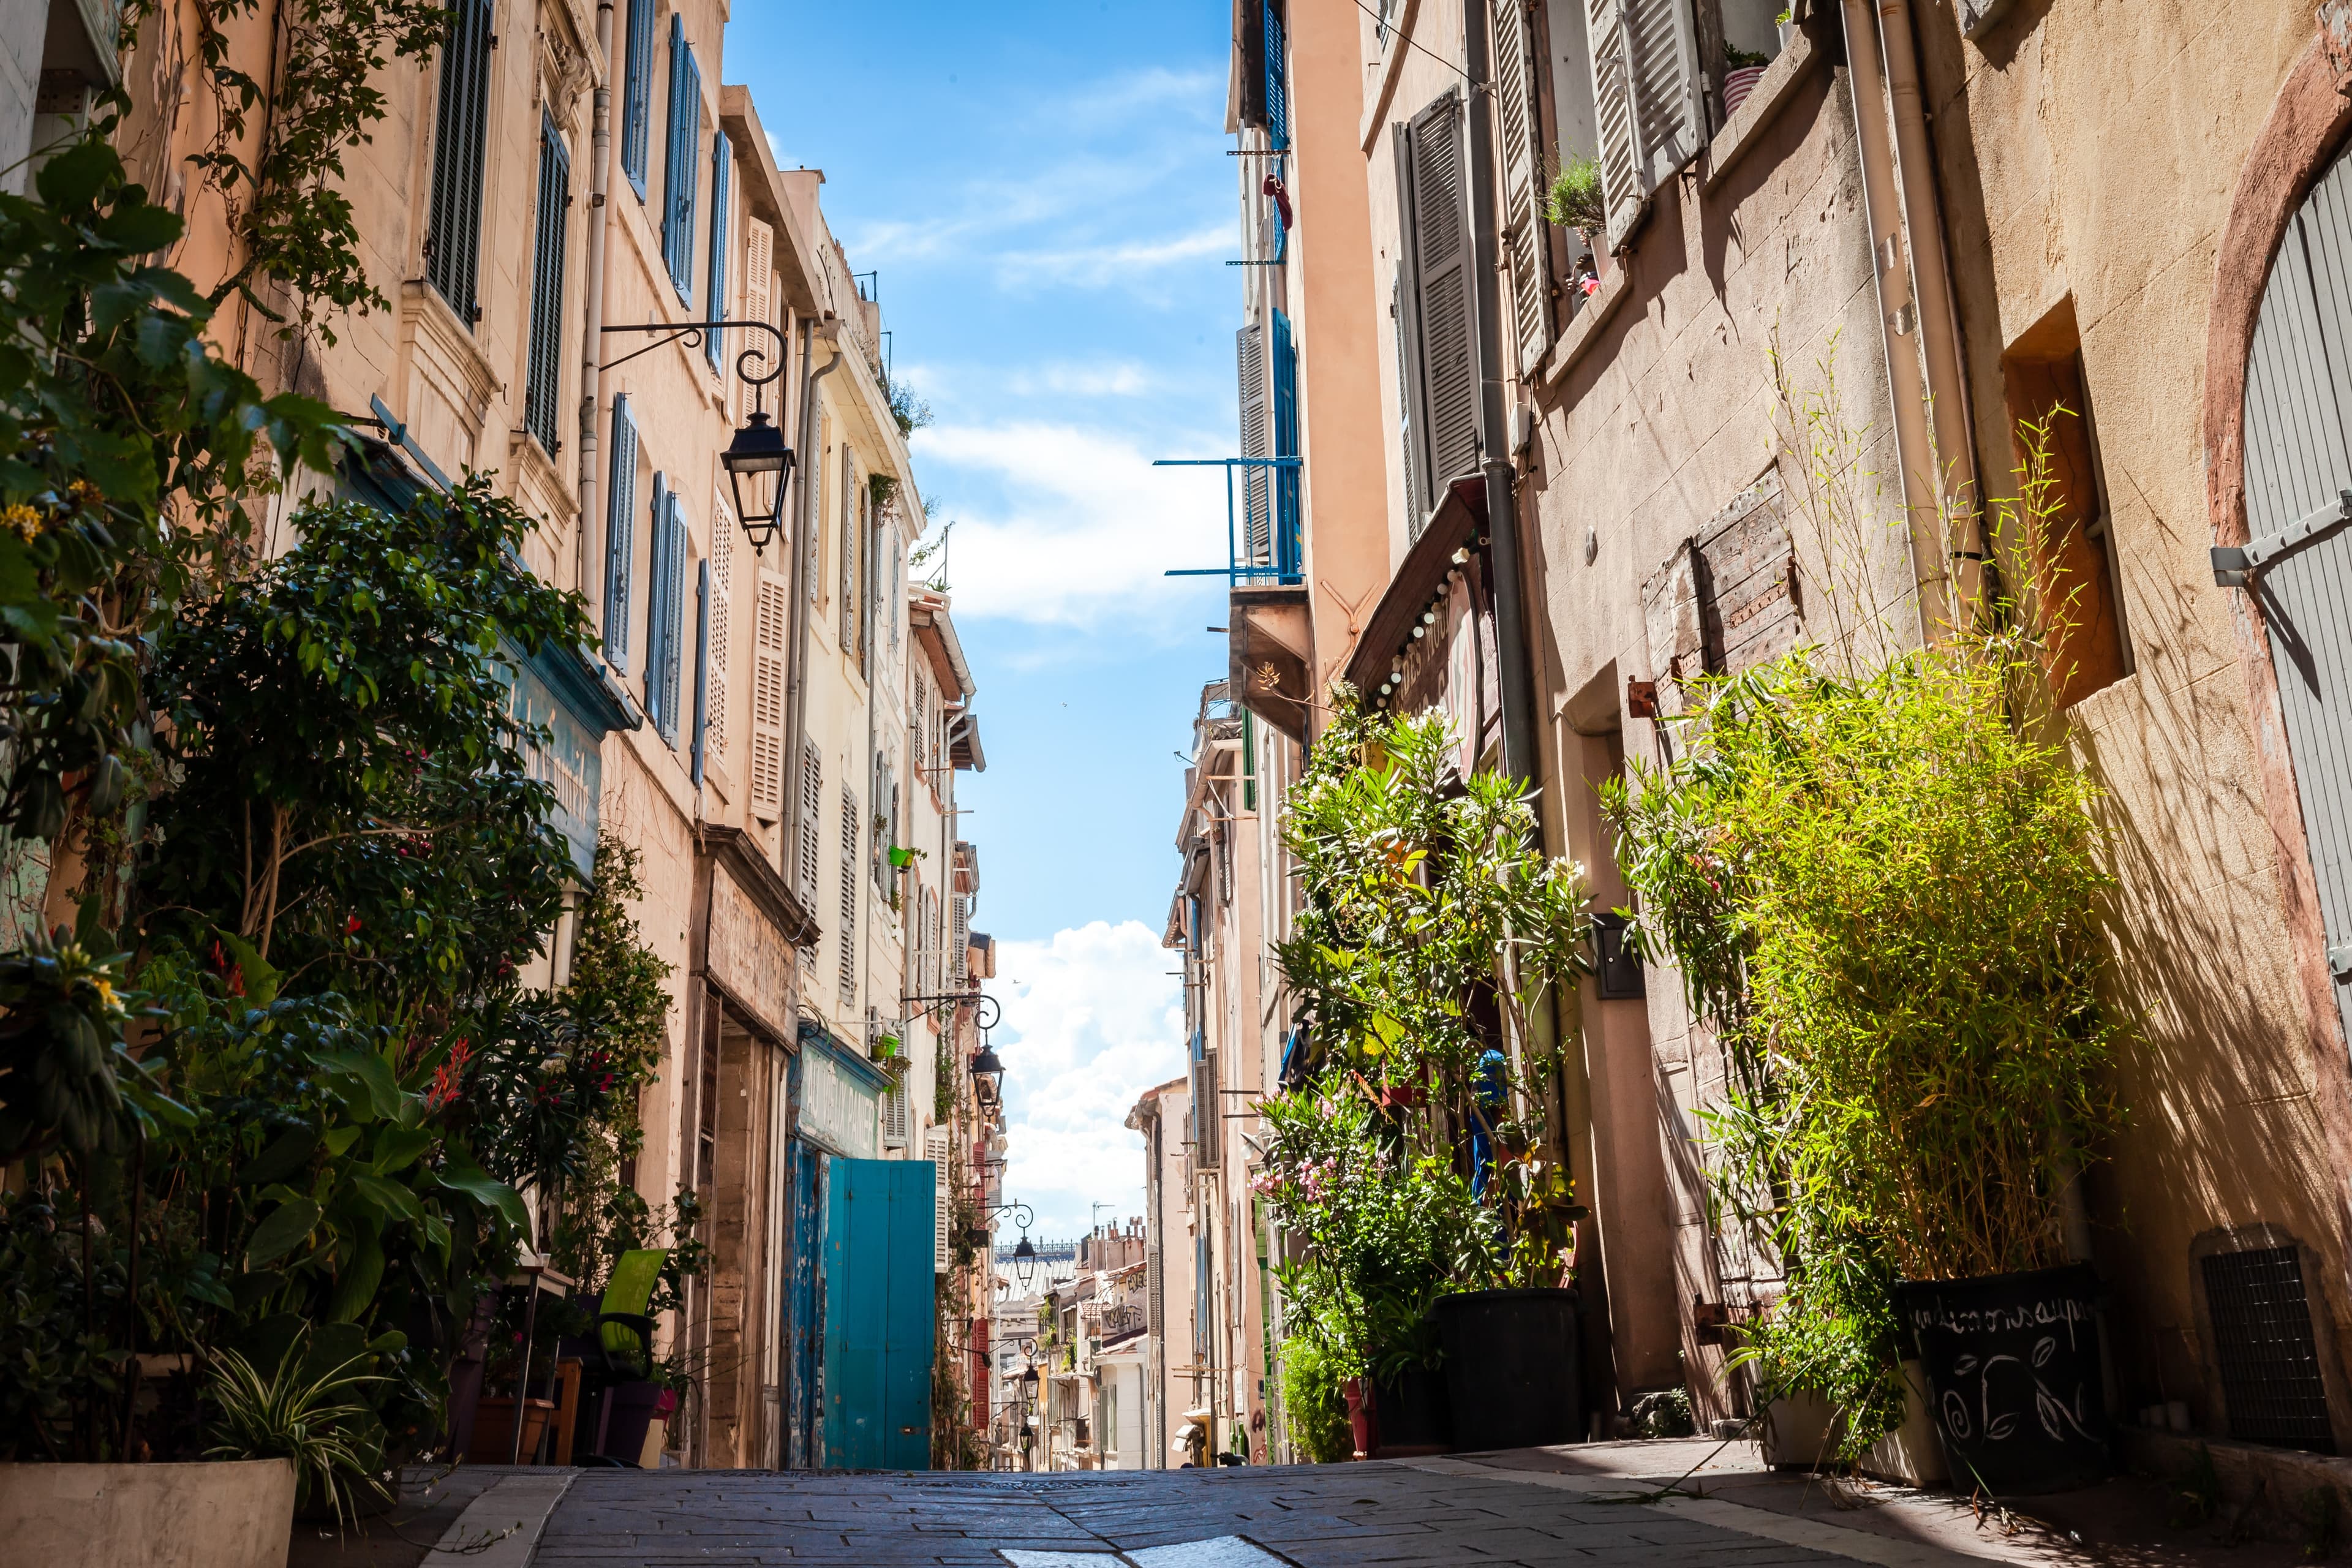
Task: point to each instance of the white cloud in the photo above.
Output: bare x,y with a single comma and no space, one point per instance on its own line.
1092,1018
1086,527
1120,262
1124,378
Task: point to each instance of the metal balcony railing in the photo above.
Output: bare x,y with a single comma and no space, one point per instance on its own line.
1264,548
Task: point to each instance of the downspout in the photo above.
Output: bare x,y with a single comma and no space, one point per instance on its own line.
1906,243
600,163
796,679
1511,645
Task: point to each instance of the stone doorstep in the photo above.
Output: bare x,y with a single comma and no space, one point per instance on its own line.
2275,1480
500,1529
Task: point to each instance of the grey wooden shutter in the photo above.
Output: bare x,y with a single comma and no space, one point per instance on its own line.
682,167
1256,435
542,391
1620,128
853,550
2299,461
850,818
701,672
1645,86
1526,248
621,537
770,620
1416,511
673,615
812,818
657,560
1444,308
722,167
637,94
453,242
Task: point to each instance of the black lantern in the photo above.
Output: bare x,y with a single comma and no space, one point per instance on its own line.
1024,1264
1029,1384
988,1076
758,449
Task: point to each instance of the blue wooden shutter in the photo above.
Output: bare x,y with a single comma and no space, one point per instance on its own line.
656,597
722,166
682,170
673,614
453,241
542,391
1277,100
701,667
1285,445
621,537
637,94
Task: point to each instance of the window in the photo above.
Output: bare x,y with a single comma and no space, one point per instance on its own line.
2043,376
453,240
1264,100
542,392
620,537
1444,375
770,628
1286,542
2261,1314
722,166
701,672
854,545
812,816
715,685
666,612
1647,115
681,168
1527,243
637,94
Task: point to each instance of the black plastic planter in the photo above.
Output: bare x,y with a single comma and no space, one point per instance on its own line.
2012,1361
1511,1371
1414,1415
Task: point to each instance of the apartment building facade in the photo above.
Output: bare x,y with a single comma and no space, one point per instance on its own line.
1870,239
773,713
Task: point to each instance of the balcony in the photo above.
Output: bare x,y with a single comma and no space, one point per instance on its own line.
1270,641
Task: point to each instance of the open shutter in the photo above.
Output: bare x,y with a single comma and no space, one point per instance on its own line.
543,390
1526,248
621,537
656,595
1256,436
959,939
700,754
759,268
769,621
722,184
715,685
1662,41
1408,422
1444,305
453,240
673,617
894,1117
812,816
681,168
850,822
1278,94
942,1256
637,95
1287,543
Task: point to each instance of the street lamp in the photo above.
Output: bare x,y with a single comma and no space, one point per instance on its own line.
759,447
988,1076
1024,1268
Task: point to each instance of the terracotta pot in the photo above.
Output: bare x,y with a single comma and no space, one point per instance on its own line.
1737,85
232,1514
494,1429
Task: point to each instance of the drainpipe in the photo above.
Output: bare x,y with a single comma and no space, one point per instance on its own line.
600,163
1494,423
825,330
1903,209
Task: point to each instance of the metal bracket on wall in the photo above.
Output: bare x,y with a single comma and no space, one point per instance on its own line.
2234,565
2340,962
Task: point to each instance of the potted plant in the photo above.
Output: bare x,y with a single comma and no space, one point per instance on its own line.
1742,71
1882,886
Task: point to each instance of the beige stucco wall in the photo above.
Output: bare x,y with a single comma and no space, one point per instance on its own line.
2091,151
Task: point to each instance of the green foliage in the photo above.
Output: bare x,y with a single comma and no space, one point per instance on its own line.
298,1413
1313,1407
910,412
1575,198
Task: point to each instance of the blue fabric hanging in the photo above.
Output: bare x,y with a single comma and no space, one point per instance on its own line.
1482,1134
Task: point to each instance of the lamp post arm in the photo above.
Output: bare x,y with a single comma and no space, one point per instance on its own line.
757,354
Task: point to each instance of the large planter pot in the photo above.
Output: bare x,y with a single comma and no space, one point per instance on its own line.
1511,1370
2013,1362
629,1413
494,1430
232,1514
1415,1416
1802,1432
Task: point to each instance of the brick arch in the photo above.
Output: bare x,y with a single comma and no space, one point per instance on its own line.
2308,127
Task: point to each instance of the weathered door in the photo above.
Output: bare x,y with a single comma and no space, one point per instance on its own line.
2299,460
879,1322
803,1316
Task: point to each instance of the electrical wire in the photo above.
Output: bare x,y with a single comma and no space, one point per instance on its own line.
1440,59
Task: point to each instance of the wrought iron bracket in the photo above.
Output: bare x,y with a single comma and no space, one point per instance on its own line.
757,354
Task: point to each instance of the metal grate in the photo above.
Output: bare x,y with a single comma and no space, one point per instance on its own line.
2270,1364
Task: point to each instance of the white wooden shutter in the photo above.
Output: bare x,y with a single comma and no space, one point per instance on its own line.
722,626
850,820
770,615
1645,88
759,270
1445,307
959,939
941,1208
894,1117
922,723
1526,248
1257,514
812,817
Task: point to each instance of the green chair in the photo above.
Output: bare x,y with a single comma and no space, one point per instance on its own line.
617,1359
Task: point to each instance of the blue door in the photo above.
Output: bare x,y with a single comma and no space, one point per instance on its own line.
879,1300
803,1326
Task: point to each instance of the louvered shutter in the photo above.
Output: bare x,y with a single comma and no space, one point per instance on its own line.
942,1209
759,268
656,593
1526,248
674,620
1408,423
812,819
702,752
722,184
769,623
1256,433
894,1117
1645,99
637,94
621,537
453,242
542,392
1444,301
715,685
850,821
1207,1152
1277,95
923,724
1285,445
681,169
959,939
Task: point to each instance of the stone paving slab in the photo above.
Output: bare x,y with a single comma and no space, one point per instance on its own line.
1394,1515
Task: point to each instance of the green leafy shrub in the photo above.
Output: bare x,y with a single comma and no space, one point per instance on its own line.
1313,1407
1575,198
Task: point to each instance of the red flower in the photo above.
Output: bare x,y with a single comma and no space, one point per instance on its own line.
351,925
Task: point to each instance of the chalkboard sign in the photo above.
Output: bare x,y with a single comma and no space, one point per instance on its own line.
2013,1362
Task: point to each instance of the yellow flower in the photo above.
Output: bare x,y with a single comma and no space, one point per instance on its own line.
23,521
85,494
106,997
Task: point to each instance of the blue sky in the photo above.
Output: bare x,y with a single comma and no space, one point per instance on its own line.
1044,190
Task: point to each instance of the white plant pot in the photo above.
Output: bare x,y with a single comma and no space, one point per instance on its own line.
1801,1432
232,1514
